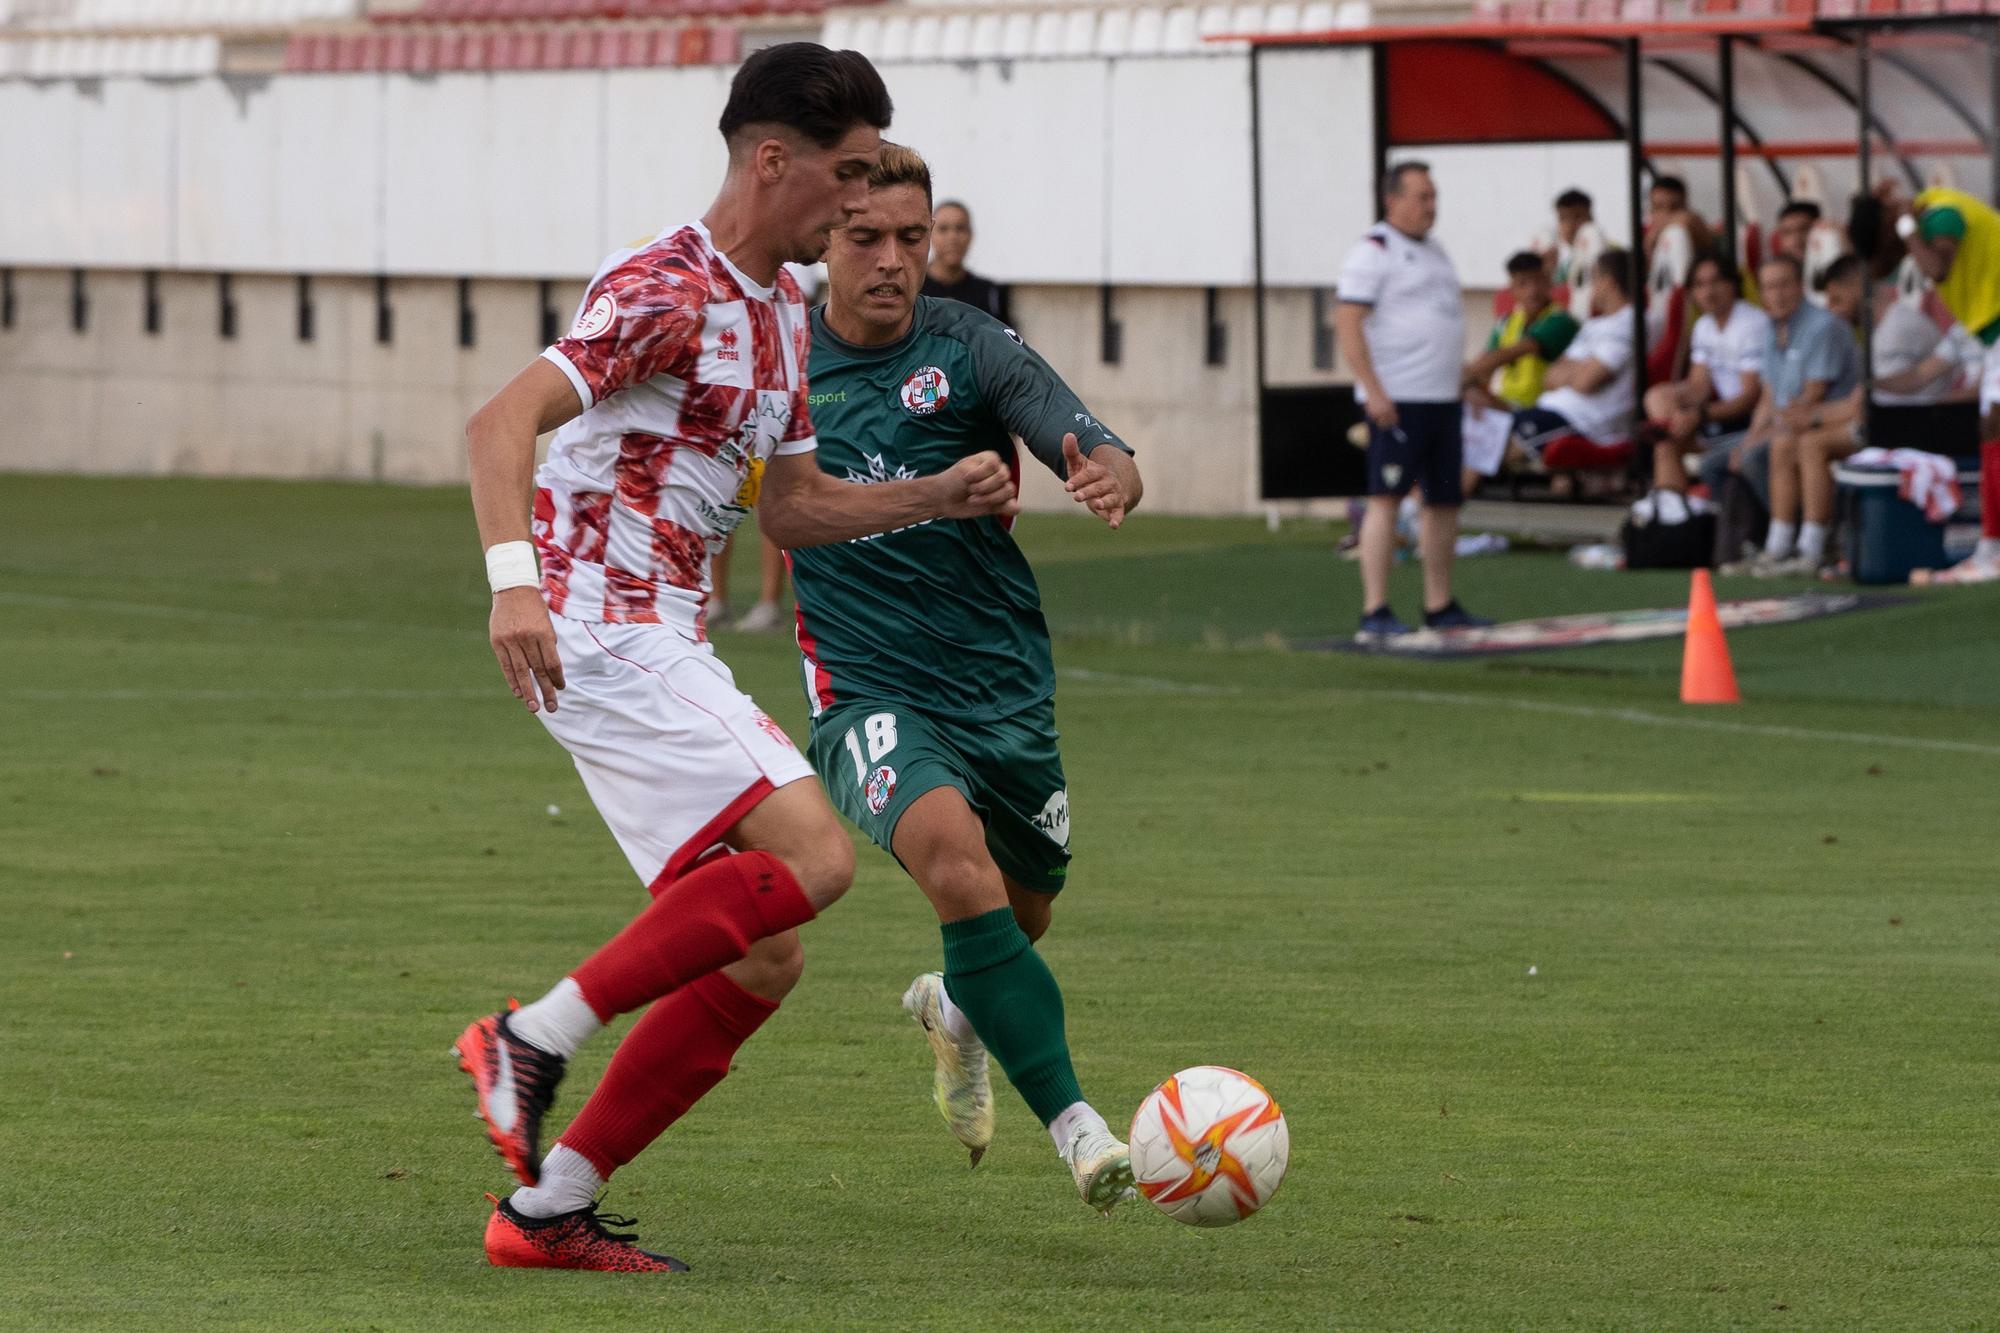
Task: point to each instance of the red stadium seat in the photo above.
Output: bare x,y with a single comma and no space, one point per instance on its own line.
398,50
351,54
581,48
663,46
692,45
725,44
452,49
627,47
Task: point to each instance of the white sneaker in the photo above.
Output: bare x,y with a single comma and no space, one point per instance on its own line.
1971,570
1790,567
759,619
1101,1166
960,1087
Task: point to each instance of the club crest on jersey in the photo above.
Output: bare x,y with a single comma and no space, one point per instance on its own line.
926,392
880,788
593,322
725,346
1054,819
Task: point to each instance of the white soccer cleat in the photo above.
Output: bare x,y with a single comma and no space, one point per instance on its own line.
1102,1167
760,619
961,1088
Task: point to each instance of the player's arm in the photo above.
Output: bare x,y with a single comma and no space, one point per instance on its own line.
1496,358
1353,339
1932,239
1034,405
1585,374
500,445
803,506
1729,409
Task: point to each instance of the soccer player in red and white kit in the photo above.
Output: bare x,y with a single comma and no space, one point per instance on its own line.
681,396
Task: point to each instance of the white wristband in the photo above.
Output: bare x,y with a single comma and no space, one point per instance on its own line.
511,565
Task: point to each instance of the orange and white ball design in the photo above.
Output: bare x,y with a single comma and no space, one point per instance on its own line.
1209,1146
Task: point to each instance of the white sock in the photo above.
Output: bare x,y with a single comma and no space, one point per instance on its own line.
559,1022
1987,551
1778,545
569,1182
1812,540
1072,1118
956,1025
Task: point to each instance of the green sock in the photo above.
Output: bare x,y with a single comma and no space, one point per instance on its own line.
993,973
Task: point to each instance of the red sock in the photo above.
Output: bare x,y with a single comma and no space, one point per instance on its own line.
673,1055
706,919
1989,489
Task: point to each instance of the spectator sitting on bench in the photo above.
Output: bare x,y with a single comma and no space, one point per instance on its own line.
1810,359
1590,392
1534,333
1795,222
1712,407
1917,364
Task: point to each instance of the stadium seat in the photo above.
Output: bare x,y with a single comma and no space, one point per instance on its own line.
837,33
1247,19
985,42
725,44
1282,18
1017,36
1114,33
866,35
1318,16
1573,453
1210,23
692,46
955,37
1080,32
1048,34
894,43
925,33
1179,32
1353,14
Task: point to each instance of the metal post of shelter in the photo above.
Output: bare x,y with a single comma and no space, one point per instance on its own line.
1864,99
1992,34
1635,164
1257,234
1725,100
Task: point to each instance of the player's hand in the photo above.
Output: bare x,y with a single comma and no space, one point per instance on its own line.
1684,421
980,486
1382,412
524,639
1094,485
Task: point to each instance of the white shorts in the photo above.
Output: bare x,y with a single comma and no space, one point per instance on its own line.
671,752
1989,380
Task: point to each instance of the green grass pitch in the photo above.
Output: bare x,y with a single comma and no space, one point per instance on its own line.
271,831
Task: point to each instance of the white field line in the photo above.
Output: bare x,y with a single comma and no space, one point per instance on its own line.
1636,716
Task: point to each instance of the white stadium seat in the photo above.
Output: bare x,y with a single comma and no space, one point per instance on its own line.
1354,14
1080,32
1114,33
838,31
1282,18
1318,16
1017,36
895,43
986,33
955,37
1178,32
866,36
1048,38
1247,19
926,35
1213,21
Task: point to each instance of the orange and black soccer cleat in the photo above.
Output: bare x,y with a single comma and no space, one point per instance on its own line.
569,1240
515,1083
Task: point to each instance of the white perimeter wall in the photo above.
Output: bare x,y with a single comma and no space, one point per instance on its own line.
1133,172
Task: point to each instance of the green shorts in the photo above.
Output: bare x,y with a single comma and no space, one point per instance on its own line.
876,758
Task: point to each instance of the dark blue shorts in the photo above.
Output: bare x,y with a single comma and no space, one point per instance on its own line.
1426,447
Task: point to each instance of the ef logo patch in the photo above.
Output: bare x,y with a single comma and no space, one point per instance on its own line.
926,392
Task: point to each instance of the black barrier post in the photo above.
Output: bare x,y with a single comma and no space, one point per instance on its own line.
1726,102
1635,162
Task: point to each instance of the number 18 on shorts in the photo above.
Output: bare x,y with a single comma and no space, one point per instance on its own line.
877,759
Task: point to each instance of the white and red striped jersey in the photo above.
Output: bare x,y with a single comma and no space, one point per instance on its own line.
692,376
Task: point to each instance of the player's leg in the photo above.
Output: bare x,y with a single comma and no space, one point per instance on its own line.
1390,478
674,757
1784,530
1818,450
994,977
1440,455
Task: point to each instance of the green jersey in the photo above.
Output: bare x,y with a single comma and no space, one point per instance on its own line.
943,616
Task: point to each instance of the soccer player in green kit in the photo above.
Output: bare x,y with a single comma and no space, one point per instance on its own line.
927,660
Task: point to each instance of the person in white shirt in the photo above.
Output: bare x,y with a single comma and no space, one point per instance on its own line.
1712,407
1579,241
1401,321
1591,391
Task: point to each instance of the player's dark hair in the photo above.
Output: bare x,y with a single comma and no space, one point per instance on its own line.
1672,183
1392,184
1573,198
1786,261
958,204
1724,268
1843,269
1523,261
803,86
1617,266
1800,208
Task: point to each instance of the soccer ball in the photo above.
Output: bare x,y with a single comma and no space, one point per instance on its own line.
1209,1146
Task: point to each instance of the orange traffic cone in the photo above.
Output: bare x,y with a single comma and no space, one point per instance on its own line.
1706,675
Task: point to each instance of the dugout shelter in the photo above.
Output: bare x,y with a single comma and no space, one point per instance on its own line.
1735,96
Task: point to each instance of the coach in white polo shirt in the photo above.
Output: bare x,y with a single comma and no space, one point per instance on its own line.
1401,322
